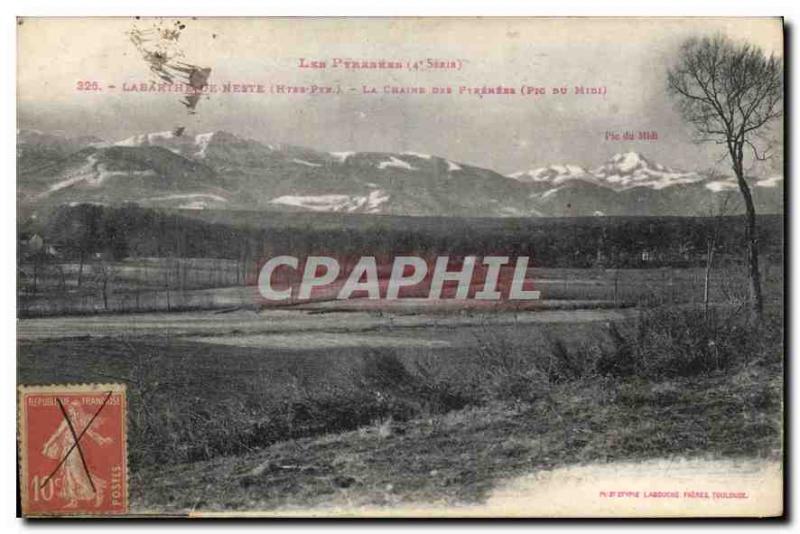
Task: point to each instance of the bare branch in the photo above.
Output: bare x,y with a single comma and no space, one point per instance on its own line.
764,155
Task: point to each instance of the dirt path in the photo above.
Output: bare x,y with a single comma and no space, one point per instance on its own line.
655,488
245,322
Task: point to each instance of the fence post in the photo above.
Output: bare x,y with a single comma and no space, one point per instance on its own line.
671,286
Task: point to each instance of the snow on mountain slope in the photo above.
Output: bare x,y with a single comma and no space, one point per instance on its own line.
114,174
453,167
220,170
202,141
554,174
155,138
621,171
94,174
306,163
218,147
630,184
631,169
417,155
369,203
36,149
193,201
341,156
396,162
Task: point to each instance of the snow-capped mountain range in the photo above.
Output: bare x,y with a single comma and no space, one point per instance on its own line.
628,170
220,170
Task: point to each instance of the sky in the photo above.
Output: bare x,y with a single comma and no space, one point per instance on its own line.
628,58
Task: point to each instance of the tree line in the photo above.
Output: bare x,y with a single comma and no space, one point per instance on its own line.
79,233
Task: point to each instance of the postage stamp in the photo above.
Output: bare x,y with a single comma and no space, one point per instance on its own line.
73,449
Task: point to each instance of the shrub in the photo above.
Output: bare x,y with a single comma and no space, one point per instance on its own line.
565,365
170,424
405,391
684,342
505,370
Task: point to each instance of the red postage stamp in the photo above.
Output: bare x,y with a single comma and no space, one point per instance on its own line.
73,449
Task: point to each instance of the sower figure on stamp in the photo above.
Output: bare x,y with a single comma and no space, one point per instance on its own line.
75,484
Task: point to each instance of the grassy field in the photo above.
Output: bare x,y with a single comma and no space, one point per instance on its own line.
461,456
248,371
146,285
278,408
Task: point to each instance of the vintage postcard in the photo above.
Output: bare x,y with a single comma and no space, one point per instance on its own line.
400,267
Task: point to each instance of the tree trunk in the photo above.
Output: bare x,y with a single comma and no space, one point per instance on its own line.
756,298
751,238
80,268
35,272
105,293
707,284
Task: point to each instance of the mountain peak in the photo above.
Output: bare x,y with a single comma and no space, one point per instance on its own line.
219,135
199,146
629,162
621,171
147,139
631,169
176,136
554,174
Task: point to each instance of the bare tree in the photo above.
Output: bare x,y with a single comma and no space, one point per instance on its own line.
730,93
105,273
